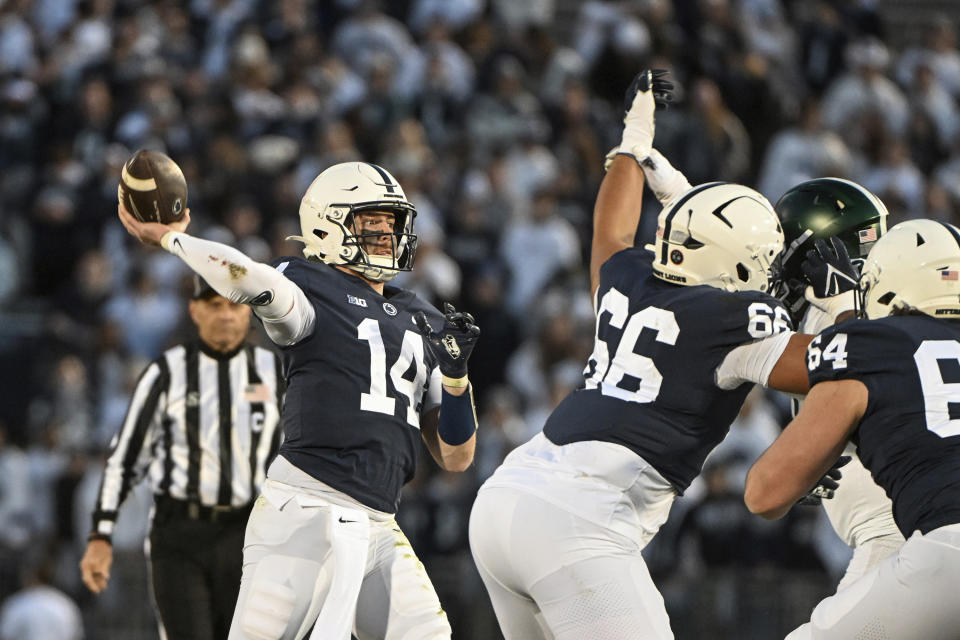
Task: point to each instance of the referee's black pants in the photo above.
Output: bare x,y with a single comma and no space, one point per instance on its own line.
196,563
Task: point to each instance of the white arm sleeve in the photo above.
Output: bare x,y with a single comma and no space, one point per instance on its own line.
288,317
751,362
664,180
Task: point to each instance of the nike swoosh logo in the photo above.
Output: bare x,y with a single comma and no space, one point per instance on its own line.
835,277
176,243
346,521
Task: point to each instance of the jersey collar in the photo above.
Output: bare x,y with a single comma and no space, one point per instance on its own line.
218,355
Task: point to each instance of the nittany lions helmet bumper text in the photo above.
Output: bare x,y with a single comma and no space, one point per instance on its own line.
719,234
327,215
916,265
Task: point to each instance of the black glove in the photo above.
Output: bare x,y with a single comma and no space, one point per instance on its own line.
451,346
825,488
828,269
646,79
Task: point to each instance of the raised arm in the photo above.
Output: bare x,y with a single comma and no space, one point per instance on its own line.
287,315
616,213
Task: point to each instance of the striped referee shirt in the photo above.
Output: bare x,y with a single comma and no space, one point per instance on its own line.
202,426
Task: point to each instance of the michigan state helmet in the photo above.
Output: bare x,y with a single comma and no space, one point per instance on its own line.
327,219
720,234
915,266
824,208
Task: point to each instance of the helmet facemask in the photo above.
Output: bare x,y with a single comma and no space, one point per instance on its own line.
375,266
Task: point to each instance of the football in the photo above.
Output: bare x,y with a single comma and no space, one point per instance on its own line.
152,187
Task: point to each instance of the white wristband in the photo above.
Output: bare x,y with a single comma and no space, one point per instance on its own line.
833,306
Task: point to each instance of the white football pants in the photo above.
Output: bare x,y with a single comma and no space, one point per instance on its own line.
559,550
868,555
307,562
913,594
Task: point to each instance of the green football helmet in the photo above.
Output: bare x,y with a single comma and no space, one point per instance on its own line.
824,208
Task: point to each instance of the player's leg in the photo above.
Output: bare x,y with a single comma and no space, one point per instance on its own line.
867,556
910,595
517,614
610,595
586,580
397,600
289,555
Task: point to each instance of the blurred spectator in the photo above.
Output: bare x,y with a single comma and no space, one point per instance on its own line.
931,102
369,38
938,51
454,13
17,42
503,429
822,42
145,315
801,153
437,277
862,91
536,251
9,267
509,112
896,181
15,511
518,15
40,610
725,144
562,335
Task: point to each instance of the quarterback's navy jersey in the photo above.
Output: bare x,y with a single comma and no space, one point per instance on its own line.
355,387
650,382
909,436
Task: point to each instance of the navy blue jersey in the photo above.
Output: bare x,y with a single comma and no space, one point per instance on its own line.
909,437
355,387
650,384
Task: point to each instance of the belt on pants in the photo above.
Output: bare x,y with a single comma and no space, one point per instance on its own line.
192,510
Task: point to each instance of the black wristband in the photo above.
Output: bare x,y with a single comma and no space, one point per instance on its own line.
100,536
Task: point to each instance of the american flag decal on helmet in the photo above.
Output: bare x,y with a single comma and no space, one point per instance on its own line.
949,275
867,235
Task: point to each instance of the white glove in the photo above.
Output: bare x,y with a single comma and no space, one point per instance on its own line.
608,159
649,89
833,306
637,139
664,180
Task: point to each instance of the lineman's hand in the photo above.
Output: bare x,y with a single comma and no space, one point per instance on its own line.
150,233
828,269
648,91
453,343
832,277
95,565
825,488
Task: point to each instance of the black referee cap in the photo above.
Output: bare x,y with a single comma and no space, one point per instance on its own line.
202,289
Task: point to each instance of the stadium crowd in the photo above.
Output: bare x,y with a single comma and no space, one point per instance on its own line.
495,117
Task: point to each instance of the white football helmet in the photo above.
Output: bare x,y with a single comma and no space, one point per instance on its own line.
916,265
327,219
720,234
